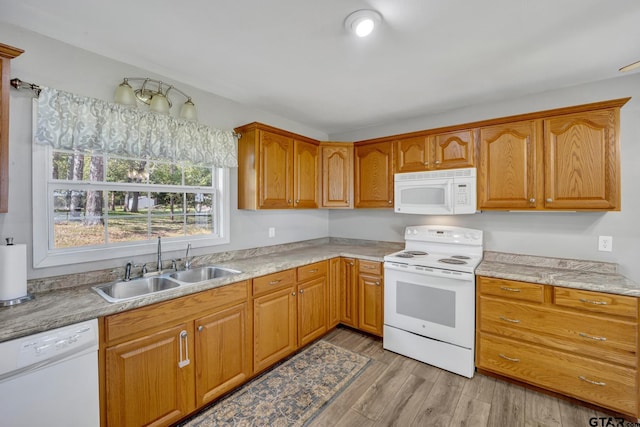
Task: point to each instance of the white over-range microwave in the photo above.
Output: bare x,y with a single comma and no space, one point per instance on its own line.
441,192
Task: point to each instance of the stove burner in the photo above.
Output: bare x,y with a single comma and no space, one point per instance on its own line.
460,257
416,253
451,261
404,255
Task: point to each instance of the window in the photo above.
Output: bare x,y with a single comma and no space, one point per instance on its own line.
92,204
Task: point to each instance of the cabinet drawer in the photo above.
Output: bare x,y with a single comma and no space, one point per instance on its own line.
131,323
598,382
369,267
511,289
612,340
596,302
311,271
274,281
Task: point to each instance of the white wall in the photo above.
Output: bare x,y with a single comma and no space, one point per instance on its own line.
567,235
50,63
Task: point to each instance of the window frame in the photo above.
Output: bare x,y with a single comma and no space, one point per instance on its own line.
46,256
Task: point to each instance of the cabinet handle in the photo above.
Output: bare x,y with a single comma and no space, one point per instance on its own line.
600,383
275,282
504,288
184,349
588,301
437,162
351,263
368,267
377,283
510,359
426,163
346,201
591,337
549,200
532,200
289,201
293,294
390,202
297,201
315,270
200,328
506,319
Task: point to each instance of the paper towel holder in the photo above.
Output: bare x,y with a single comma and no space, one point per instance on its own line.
19,300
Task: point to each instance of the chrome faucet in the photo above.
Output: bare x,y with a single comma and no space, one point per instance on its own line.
187,262
127,272
159,264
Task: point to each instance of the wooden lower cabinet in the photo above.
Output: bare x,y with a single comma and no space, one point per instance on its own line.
333,294
163,361
349,292
579,343
370,295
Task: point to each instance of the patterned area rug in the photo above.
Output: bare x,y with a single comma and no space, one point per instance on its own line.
291,394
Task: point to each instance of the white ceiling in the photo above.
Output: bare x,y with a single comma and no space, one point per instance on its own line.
295,59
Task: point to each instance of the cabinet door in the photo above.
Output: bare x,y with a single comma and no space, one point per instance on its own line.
413,154
333,294
508,170
374,175
349,293
274,327
312,315
337,176
151,379
453,149
370,304
223,352
306,175
581,161
276,171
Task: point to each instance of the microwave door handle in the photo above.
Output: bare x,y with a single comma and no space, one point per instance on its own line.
450,195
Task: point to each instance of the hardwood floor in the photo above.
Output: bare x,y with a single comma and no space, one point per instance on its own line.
398,391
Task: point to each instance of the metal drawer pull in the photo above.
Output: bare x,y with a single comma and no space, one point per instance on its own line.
506,319
504,288
274,282
315,270
369,267
184,339
510,359
588,301
582,334
600,383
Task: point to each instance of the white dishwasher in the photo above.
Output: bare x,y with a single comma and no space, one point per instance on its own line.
51,378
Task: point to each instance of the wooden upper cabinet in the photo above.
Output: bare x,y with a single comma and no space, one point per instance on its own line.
453,149
277,169
566,159
582,161
507,170
374,175
306,174
439,151
413,154
7,53
337,174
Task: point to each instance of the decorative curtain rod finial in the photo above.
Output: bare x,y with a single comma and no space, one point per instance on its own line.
19,84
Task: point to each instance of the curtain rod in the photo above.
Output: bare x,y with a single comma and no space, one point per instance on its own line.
19,84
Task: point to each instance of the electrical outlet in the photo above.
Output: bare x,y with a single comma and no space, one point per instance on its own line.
605,243
272,232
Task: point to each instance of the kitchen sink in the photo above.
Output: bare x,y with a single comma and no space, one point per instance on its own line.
119,291
202,274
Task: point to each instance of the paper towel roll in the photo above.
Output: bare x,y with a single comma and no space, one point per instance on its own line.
13,271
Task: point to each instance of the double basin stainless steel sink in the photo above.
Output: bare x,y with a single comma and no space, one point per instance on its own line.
135,288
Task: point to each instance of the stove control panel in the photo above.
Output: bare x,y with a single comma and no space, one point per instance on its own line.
444,233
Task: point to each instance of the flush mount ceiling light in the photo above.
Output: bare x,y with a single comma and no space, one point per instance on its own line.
152,93
363,22
630,67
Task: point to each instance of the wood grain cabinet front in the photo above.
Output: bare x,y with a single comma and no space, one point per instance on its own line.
373,171
162,361
567,160
337,174
277,169
583,344
425,152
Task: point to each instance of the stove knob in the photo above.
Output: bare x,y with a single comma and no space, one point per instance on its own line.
415,231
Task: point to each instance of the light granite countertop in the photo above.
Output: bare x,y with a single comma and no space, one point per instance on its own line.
578,274
61,306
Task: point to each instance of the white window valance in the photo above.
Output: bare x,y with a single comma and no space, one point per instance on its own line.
73,122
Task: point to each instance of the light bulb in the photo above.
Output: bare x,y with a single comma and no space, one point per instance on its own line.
124,94
364,27
159,104
188,111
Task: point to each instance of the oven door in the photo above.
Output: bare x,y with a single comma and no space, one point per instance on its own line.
438,304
